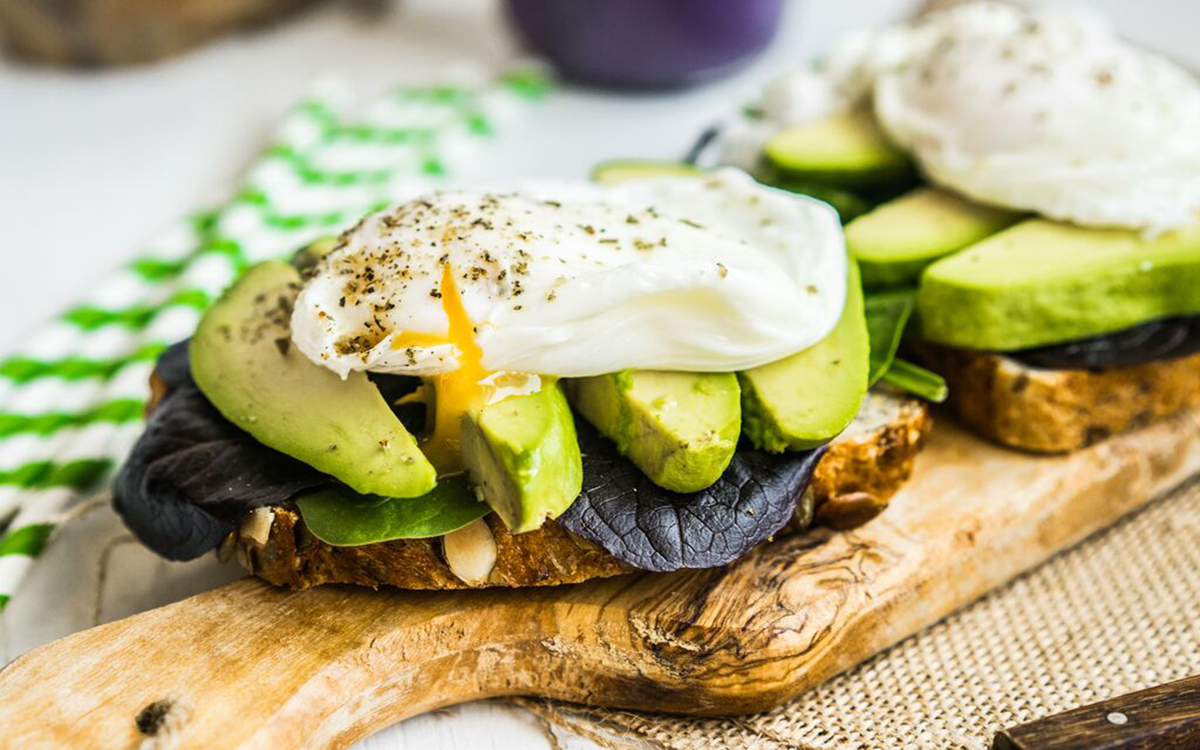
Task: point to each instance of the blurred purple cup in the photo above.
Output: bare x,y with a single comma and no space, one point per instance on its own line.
647,43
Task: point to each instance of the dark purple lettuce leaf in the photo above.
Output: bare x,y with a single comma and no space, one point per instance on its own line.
174,367
192,474
654,529
1149,342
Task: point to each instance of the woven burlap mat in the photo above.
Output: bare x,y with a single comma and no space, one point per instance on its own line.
1118,613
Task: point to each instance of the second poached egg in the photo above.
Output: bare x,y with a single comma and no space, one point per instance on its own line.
1045,110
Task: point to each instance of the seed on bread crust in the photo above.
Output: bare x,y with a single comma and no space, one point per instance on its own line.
470,553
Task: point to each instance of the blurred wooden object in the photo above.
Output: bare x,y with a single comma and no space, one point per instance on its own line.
120,32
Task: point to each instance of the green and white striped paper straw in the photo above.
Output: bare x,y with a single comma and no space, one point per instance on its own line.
71,400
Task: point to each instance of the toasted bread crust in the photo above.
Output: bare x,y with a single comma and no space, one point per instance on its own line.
1057,411
862,470
852,483
548,556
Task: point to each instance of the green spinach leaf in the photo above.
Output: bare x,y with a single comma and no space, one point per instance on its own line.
916,380
343,518
887,314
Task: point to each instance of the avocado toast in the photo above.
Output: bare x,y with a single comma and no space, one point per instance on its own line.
318,428
1047,228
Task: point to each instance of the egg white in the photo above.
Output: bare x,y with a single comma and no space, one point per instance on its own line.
571,279
1042,110
1052,113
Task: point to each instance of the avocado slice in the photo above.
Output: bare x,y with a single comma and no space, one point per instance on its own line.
620,170
306,258
523,454
848,205
1043,282
896,241
845,150
806,399
243,361
680,428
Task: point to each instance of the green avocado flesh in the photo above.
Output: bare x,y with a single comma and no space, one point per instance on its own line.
523,454
808,398
847,150
848,205
620,170
307,257
346,519
1041,282
897,240
243,361
680,428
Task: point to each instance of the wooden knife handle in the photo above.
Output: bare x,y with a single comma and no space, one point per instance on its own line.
1166,716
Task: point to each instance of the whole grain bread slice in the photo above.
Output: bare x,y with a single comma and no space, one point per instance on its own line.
863,468
1056,411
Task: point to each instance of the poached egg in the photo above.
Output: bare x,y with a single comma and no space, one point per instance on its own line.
1040,110
484,293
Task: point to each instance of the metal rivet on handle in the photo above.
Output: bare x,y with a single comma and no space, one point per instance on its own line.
1117,718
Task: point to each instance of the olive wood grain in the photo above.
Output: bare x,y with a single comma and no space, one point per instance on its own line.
251,666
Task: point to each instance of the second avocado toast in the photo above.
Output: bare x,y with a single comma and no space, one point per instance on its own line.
1031,183
464,474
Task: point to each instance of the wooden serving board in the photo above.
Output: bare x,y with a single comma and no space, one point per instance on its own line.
250,666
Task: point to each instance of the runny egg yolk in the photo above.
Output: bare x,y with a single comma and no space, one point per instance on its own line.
456,391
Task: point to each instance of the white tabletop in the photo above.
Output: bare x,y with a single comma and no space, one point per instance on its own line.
95,162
